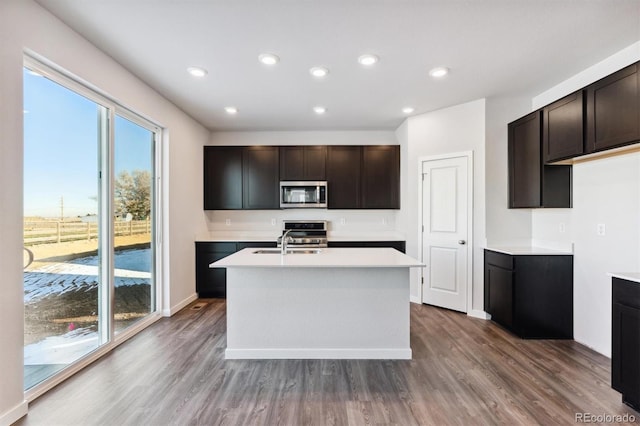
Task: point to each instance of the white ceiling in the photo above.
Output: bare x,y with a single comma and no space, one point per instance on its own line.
493,47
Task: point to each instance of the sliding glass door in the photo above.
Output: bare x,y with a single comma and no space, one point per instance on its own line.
89,220
133,222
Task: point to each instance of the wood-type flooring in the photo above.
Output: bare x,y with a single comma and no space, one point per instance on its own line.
464,371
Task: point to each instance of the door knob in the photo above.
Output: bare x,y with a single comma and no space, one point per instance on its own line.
462,242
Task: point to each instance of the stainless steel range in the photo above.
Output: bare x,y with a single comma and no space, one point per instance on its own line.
304,233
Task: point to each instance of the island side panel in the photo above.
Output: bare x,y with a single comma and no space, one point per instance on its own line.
333,313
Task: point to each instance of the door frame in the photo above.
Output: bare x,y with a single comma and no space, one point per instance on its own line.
470,258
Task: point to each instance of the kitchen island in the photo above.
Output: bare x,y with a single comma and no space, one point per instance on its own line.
331,303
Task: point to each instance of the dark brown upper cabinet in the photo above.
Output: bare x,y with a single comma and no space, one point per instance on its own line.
525,177
562,128
363,177
613,110
237,177
532,184
381,177
343,176
261,177
222,177
303,162
358,177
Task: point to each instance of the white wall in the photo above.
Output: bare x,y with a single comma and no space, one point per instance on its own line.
345,222
605,191
455,129
25,25
507,227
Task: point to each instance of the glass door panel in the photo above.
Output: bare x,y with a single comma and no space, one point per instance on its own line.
133,202
62,279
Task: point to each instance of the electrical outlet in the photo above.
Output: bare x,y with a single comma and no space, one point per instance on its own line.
601,230
227,222
562,228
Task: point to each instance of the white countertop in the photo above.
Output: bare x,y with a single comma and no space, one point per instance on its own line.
259,236
527,250
629,276
327,258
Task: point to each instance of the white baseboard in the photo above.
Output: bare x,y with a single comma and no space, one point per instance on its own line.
175,308
415,299
475,313
14,414
317,353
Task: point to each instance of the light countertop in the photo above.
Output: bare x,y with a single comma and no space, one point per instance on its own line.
259,236
629,276
326,258
527,250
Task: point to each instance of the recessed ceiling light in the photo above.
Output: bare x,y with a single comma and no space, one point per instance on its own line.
269,58
197,71
319,72
439,72
368,59
408,110
319,109
231,110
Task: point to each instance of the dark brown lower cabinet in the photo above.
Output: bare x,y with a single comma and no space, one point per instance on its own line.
530,295
212,282
625,340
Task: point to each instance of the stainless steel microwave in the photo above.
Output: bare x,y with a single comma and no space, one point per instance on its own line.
303,194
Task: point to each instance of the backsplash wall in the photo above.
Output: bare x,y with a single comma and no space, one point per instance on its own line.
340,221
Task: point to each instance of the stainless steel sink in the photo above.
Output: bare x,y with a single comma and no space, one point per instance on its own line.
289,251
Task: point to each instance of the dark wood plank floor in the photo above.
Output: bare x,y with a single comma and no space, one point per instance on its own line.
464,371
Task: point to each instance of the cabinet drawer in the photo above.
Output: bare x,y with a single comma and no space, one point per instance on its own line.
498,259
625,292
216,247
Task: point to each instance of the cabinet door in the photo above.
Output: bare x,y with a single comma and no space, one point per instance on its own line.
613,110
315,160
562,135
525,162
380,177
222,177
261,177
625,352
303,162
212,282
499,294
343,176
291,163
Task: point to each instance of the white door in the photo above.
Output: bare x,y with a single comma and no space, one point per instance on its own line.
445,248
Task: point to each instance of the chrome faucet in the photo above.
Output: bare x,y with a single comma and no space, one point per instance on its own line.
284,240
